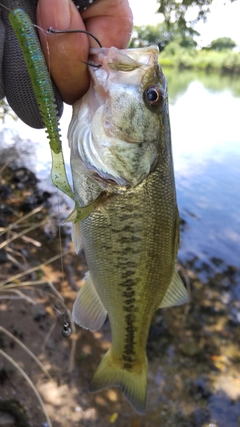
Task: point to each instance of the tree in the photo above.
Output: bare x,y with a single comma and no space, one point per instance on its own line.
175,11
146,35
222,43
161,35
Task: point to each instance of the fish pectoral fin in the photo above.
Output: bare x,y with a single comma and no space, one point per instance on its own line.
176,293
133,382
88,310
76,237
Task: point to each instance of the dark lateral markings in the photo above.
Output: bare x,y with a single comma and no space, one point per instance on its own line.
126,264
128,282
129,344
128,292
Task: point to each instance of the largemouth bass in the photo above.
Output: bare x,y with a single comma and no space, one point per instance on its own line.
121,148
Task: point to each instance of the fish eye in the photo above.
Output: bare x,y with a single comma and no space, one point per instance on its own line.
153,96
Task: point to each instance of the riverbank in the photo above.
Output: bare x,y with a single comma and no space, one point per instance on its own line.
226,62
193,350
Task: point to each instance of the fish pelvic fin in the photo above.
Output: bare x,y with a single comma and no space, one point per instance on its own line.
76,237
88,310
176,293
132,382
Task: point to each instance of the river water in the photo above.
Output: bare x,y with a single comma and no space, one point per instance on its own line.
204,112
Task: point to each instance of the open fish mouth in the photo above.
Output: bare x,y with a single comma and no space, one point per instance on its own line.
125,59
115,126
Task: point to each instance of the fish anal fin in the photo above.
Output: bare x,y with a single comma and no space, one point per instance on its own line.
176,293
133,382
88,310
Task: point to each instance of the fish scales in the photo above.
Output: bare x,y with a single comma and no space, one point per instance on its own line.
130,243
125,256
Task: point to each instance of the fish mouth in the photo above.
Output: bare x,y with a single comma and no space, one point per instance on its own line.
117,137
106,64
124,59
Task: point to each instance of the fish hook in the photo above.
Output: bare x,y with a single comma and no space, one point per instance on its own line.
51,30
91,64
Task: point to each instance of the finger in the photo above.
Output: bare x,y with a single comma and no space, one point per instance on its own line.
64,52
111,21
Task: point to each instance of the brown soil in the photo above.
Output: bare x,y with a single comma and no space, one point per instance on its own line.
194,351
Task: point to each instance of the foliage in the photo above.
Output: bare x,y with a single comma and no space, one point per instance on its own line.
208,60
222,43
161,35
175,11
149,34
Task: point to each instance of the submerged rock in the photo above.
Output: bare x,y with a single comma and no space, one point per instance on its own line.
190,348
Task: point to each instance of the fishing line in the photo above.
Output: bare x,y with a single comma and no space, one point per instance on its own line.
47,45
60,238
5,7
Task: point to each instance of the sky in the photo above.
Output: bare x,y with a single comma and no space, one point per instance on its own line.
223,20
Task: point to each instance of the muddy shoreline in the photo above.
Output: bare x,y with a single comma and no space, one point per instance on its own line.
193,351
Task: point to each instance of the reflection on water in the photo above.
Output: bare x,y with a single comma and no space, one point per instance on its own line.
206,147
210,205
178,82
204,111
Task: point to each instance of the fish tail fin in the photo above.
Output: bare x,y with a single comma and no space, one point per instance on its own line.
132,380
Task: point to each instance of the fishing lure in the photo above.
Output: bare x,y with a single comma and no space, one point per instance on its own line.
42,86
66,330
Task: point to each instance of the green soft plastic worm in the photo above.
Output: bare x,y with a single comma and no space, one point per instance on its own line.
42,86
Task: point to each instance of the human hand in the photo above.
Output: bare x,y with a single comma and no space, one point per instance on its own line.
109,20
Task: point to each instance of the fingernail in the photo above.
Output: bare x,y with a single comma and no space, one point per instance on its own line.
55,13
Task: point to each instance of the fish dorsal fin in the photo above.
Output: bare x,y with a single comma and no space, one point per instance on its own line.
176,294
88,310
76,237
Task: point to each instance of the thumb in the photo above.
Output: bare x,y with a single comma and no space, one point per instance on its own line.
64,52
